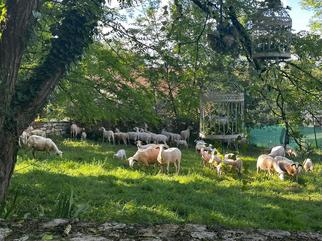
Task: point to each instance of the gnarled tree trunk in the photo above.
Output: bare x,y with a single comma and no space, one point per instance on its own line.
20,101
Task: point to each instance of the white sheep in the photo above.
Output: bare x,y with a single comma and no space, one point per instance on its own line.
280,151
120,154
287,166
185,134
83,136
38,132
140,146
133,136
199,145
23,138
171,155
145,156
181,143
160,138
39,143
121,136
109,135
75,130
308,165
143,136
235,163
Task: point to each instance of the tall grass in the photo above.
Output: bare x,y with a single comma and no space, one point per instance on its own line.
106,189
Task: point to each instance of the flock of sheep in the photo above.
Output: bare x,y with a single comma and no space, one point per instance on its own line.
157,151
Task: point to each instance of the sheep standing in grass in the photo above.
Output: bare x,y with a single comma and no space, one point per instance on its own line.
120,154
185,134
121,136
75,130
182,143
308,165
145,156
39,143
286,166
199,145
280,151
109,135
38,132
235,163
171,155
266,163
140,146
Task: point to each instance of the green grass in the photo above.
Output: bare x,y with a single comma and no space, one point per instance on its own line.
111,191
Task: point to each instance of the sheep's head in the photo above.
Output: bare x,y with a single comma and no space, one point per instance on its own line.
294,169
60,153
131,161
291,153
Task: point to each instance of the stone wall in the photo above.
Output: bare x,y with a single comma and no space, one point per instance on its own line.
62,229
57,128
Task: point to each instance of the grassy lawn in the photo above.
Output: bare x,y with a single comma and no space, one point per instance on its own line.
105,189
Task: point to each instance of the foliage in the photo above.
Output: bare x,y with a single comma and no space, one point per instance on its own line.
116,192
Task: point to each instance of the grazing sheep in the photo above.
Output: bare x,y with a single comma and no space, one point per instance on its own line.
285,165
159,138
120,154
121,136
171,155
38,132
237,164
200,144
181,143
140,146
308,165
39,143
75,130
230,156
145,156
143,136
265,162
83,136
280,151
23,138
109,135
185,134
133,136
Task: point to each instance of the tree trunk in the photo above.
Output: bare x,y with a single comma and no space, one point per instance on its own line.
8,157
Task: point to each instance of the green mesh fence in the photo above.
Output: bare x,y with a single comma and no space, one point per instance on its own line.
269,136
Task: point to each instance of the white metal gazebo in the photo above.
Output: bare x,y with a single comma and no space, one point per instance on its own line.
221,115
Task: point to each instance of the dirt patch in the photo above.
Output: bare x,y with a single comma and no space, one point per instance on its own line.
62,229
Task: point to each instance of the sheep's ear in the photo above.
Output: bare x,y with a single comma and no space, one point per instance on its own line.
293,164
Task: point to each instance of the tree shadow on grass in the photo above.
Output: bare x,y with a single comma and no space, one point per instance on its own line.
162,199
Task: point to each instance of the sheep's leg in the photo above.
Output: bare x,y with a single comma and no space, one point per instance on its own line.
33,153
178,163
168,167
176,166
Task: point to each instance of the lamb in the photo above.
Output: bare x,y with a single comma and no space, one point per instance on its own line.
121,136
237,164
308,165
182,143
185,134
145,156
75,130
285,165
39,143
171,155
83,136
120,154
107,134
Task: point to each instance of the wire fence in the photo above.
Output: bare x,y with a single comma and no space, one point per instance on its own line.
269,136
